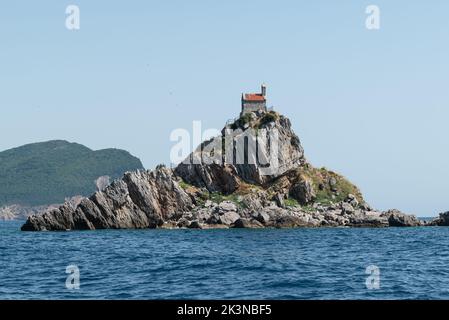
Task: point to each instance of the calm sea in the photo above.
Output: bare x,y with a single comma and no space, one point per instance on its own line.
225,264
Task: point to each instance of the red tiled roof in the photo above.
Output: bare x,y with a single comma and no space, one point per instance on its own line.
253,97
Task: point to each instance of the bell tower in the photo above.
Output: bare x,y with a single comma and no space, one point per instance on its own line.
263,90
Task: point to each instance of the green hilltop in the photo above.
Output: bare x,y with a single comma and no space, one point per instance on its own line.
48,172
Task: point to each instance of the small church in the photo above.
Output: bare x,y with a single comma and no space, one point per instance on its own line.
252,102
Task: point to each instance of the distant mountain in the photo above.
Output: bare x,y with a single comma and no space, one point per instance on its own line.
48,172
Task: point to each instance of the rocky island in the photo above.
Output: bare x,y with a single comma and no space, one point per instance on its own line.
229,194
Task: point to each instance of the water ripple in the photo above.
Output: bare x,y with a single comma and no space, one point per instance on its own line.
225,264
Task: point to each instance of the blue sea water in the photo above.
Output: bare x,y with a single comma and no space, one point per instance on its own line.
322,263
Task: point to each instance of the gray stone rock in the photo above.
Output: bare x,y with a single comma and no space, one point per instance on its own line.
255,201
226,206
227,178
398,219
347,208
365,207
303,192
279,199
442,220
354,203
214,219
202,215
209,204
247,223
263,218
290,221
229,218
371,220
333,184
213,177
350,197
141,199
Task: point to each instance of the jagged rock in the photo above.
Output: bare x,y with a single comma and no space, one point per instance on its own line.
333,184
142,199
259,168
19,212
290,221
303,192
313,221
398,219
283,184
226,206
203,215
195,225
274,212
329,223
373,219
209,204
442,220
213,177
289,155
246,223
330,216
365,206
352,200
263,217
279,199
228,218
255,201
214,219
347,208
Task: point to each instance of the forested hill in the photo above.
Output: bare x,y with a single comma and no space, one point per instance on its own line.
48,172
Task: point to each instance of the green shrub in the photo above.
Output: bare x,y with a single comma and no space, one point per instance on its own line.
291,202
241,122
325,193
268,118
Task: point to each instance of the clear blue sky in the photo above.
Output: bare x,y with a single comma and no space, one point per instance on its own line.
372,105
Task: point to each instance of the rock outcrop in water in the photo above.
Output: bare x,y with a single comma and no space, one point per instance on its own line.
20,212
141,199
266,183
442,220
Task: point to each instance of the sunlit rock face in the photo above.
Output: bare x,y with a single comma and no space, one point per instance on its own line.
256,149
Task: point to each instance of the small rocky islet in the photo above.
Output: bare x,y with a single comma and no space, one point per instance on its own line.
220,194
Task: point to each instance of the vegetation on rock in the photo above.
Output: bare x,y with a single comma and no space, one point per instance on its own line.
328,186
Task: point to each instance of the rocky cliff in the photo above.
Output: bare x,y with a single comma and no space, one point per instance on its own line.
254,175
